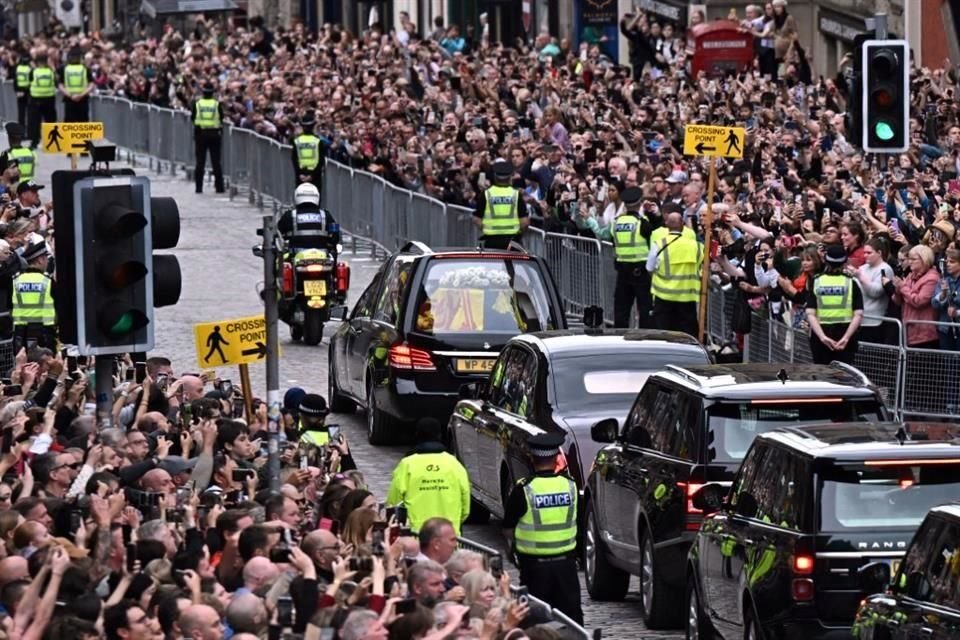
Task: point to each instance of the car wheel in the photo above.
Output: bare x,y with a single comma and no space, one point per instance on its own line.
296,332
380,426
339,403
751,629
697,626
605,582
657,599
313,328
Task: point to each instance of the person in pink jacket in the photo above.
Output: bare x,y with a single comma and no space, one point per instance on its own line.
915,294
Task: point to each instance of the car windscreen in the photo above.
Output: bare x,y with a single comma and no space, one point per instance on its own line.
609,381
884,494
491,296
734,424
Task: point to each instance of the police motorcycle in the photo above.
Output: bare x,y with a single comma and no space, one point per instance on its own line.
312,283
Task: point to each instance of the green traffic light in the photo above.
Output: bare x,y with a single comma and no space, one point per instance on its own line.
124,324
883,131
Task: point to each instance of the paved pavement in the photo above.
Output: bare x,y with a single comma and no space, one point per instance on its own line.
222,280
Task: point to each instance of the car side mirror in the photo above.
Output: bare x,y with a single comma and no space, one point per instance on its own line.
747,505
605,431
468,391
874,577
709,497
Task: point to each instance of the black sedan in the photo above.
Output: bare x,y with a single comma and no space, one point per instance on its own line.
562,381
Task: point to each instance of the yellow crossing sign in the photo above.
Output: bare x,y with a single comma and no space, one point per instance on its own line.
708,140
237,341
69,137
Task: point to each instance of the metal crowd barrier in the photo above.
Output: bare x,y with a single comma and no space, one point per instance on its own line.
573,630
371,208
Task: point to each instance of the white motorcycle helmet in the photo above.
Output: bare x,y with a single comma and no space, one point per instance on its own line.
306,193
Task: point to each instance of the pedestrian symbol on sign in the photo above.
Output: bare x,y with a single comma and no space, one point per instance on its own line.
214,340
733,142
54,138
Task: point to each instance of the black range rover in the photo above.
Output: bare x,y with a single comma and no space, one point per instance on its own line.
689,426
791,551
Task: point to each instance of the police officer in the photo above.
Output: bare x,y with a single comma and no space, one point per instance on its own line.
309,152
22,88
501,213
834,311
76,87
675,262
207,136
430,482
315,432
308,226
540,519
631,243
25,157
34,316
43,98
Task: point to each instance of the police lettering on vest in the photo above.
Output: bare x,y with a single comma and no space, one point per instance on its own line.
834,299
43,85
32,302
549,525
75,78
23,76
501,218
552,500
628,244
208,114
308,151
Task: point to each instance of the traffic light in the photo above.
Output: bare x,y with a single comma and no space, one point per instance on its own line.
106,269
885,96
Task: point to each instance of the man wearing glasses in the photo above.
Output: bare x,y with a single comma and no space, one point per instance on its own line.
55,473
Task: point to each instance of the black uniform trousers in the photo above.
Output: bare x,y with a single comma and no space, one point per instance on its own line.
207,141
41,110
676,316
23,102
632,287
27,336
553,580
822,354
76,111
499,242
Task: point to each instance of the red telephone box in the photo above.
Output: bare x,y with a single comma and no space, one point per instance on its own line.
718,48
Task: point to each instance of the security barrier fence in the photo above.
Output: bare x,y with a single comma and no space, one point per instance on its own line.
916,382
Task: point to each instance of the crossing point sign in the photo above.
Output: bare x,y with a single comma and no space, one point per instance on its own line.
237,341
69,137
707,140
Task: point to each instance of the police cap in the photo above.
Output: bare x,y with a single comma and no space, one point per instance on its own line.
15,130
836,254
502,169
632,197
545,445
309,119
313,404
34,251
208,88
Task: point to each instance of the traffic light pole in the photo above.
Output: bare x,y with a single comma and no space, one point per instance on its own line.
273,351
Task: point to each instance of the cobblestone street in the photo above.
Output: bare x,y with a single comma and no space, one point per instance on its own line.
222,279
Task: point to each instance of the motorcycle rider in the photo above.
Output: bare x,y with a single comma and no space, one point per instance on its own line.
307,225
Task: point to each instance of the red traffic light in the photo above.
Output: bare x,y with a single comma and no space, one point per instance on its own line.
882,97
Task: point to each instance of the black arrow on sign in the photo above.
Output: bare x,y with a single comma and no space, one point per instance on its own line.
700,148
260,351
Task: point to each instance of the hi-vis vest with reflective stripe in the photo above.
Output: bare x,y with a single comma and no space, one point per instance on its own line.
208,114
501,217
677,278
32,301
549,527
23,76
308,151
75,78
628,244
43,84
834,299
26,160
315,437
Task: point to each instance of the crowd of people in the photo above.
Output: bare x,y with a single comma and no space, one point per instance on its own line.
162,525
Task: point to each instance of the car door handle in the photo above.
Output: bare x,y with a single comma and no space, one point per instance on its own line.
927,631
747,541
480,422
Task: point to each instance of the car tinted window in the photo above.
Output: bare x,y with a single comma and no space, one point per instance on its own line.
520,383
495,297
944,572
498,377
395,285
876,496
635,432
742,498
364,306
781,489
734,424
662,420
917,561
